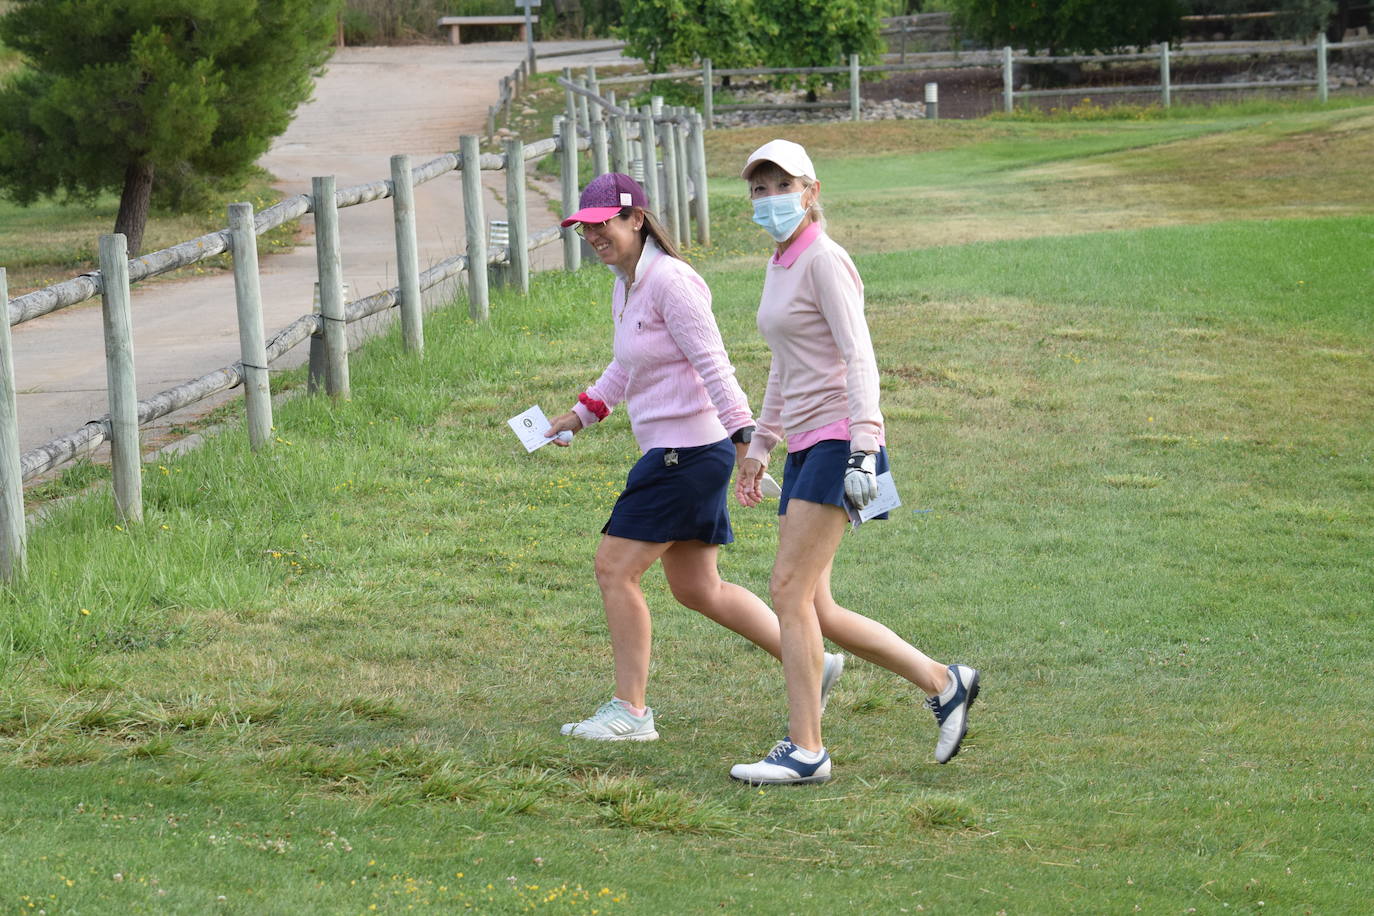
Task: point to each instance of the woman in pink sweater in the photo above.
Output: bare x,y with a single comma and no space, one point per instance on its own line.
822,398
692,422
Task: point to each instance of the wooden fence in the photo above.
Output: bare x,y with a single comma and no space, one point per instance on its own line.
677,133
1318,51
1007,59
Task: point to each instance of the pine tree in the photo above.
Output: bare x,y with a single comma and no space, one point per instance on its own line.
120,94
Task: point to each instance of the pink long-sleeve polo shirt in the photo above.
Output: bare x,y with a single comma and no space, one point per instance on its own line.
669,364
824,371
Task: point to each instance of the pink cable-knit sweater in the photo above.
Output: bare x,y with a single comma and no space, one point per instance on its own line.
824,371
669,365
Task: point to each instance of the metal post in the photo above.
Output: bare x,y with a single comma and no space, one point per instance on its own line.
1165,85
119,373
474,224
650,158
1322,92
257,388
407,254
702,202
854,87
529,33
684,201
13,531
708,93
1008,88
572,248
516,214
932,101
498,236
669,215
331,286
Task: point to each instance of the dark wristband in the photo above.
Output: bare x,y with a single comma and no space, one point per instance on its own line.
742,436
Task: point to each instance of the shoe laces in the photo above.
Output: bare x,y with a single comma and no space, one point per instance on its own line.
780,750
933,704
608,710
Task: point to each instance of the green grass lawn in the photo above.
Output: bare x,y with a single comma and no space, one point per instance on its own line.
329,677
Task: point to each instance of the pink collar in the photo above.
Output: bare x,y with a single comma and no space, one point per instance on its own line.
799,244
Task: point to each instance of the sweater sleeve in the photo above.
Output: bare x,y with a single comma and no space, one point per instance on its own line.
769,431
687,313
839,293
609,389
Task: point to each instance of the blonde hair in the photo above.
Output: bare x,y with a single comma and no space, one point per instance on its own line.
771,170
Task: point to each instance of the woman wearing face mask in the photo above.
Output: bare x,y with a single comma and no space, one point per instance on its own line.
692,422
822,398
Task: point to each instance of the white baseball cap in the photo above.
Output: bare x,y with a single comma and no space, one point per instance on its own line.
786,155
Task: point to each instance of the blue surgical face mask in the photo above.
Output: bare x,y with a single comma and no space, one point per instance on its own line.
779,215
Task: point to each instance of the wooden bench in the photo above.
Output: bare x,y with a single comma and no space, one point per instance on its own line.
452,23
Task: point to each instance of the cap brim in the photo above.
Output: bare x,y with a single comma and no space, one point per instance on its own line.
751,165
592,215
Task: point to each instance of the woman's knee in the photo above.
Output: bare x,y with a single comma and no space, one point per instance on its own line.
696,595
612,571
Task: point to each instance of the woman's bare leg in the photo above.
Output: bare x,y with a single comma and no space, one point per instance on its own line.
620,564
694,577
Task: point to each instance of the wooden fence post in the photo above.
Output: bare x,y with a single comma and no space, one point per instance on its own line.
407,255
13,532
569,97
1165,84
584,116
126,461
572,244
670,199
1322,91
517,215
330,271
702,202
620,146
854,107
684,200
257,386
649,155
600,153
708,93
475,225
1008,80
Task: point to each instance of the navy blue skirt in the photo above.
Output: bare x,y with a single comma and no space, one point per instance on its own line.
816,474
677,494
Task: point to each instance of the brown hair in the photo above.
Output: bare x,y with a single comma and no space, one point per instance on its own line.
652,227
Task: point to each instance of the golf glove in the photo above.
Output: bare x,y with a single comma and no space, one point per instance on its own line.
861,479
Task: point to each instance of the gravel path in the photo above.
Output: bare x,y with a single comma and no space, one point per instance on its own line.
371,104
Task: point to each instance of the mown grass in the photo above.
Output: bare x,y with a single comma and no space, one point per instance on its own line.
330,676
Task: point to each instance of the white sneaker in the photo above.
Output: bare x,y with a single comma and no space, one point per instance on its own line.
614,722
781,767
952,717
830,673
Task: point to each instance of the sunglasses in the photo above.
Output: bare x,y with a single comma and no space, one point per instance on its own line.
581,228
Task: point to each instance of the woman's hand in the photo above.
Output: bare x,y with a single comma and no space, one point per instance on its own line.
747,480
569,422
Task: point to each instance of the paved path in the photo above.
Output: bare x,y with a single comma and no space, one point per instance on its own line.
371,104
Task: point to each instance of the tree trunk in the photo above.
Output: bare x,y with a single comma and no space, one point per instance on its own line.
133,205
